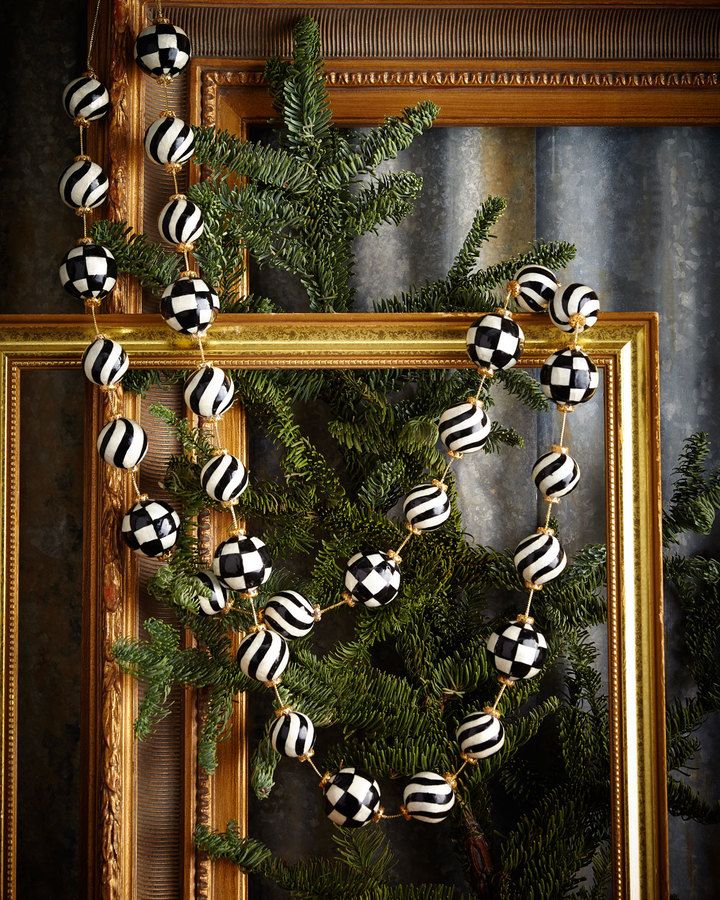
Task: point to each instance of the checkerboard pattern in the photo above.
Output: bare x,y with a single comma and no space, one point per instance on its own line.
162,49
518,651
569,376
352,797
495,341
151,527
372,578
242,563
189,305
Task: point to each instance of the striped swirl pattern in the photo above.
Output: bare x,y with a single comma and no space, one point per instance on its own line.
162,49
169,140
217,601
86,98
224,477
122,443
242,562
83,185
293,734
426,507
574,300
189,305
464,428
289,614
537,288
209,392
104,362
263,655
539,558
495,341
556,473
180,221
480,735
88,271
428,797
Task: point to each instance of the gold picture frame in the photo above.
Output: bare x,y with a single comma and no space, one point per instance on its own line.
624,346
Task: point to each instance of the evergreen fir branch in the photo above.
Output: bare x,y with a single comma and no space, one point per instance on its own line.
217,712
686,803
388,199
305,106
502,435
246,853
696,492
486,217
262,766
140,381
385,141
553,254
525,387
154,266
275,73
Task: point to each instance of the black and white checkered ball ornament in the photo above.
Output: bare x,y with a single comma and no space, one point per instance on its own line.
495,341
217,601
189,305
209,392
575,308
556,473
427,507
293,734
464,428
518,651
224,477
289,614
428,797
569,377
86,98
242,563
169,140
539,558
180,221
104,362
151,527
372,578
83,185
537,288
162,50
122,443
88,272
263,655
352,797
480,735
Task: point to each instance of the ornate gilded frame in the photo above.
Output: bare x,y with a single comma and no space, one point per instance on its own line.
625,346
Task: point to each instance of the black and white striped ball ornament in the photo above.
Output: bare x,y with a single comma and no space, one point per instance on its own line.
242,562
169,140
518,651
575,308
180,221
209,392
122,443
217,601
189,305
539,558
224,477
464,428
293,734
88,272
427,507
104,362
86,99
495,341
352,798
151,527
162,50
480,734
289,614
263,655
83,185
428,798
372,578
569,377
556,473
537,288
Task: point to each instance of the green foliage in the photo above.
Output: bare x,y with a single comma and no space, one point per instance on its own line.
394,690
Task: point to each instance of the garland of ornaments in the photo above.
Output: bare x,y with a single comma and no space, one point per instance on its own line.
242,563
